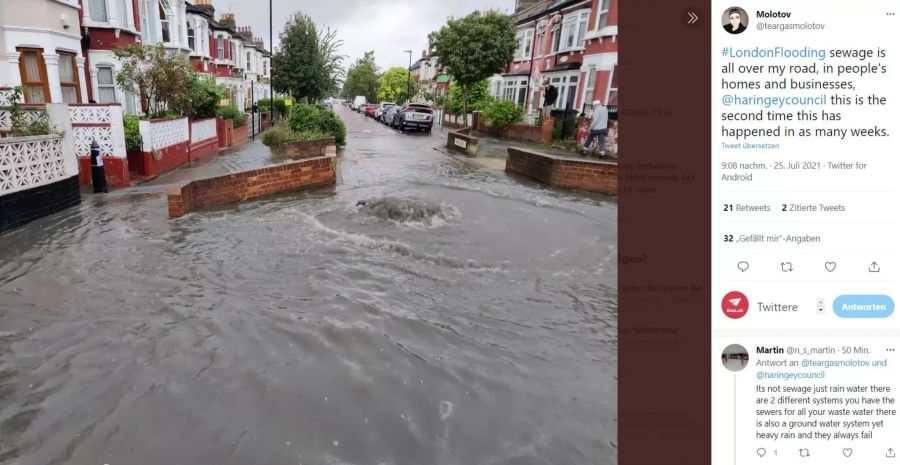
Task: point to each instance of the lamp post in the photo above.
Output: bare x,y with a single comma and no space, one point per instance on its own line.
409,77
271,71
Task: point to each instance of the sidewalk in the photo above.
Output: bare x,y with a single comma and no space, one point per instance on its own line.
250,156
492,152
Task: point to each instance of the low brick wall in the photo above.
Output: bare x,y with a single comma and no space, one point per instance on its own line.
569,173
520,131
460,141
291,176
306,148
116,169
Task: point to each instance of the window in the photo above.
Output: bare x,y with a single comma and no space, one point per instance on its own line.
612,94
191,41
98,11
34,76
164,22
514,89
589,90
220,48
555,39
166,14
106,86
146,34
567,86
68,78
123,12
249,63
525,39
574,27
265,67
602,14
539,46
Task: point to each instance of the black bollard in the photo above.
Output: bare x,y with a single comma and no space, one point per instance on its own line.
98,173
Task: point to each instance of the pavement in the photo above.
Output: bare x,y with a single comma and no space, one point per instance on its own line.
250,156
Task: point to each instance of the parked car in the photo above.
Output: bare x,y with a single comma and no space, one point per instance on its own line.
389,113
370,109
358,102
379,112
413,115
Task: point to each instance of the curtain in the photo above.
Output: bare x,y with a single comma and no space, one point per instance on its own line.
98,10
66,68
32,67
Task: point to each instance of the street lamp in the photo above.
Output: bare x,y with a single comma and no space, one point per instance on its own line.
271,71
409,77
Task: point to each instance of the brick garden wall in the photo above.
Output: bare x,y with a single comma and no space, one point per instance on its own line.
307,148
460,141
291,176
570,173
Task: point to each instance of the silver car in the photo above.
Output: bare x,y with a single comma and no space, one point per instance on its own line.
413,115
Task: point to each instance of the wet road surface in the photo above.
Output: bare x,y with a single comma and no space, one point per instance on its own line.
419,312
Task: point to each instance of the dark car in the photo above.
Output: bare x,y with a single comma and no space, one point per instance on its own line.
413,115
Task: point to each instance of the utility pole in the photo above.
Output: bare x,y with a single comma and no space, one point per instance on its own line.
409,77
271,71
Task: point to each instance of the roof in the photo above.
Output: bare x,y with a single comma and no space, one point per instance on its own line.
535,13
565,67
523,72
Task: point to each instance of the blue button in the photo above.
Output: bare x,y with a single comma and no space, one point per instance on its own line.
863,306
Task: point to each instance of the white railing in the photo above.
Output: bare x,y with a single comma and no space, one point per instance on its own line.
253,123
102,123
5,96
203,130
27,162
159,134
29,115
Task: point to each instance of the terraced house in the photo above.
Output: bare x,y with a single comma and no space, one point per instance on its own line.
61,51
573,43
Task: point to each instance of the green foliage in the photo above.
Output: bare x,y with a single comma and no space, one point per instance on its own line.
392,85
280,134
309,118
499,114
132,133
475,47
307,64
231,112
279,105
22,126
479,97
164,79
362,79
203,99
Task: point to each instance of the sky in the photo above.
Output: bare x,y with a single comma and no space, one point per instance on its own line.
386,26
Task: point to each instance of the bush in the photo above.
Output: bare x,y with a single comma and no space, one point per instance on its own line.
311,119
132,133
281,134
499,114
279,105
231,112
204,97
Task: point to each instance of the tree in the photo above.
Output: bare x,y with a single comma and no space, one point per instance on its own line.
392,85
362,78
479,96
162,79
306,64
332,61
474,48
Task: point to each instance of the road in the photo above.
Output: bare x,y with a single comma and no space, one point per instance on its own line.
422,311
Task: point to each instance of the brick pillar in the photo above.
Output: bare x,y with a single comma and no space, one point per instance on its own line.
547,130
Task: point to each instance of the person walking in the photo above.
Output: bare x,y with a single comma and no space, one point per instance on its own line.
599,129
551,93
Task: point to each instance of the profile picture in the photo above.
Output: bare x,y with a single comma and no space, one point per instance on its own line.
735,357
735,20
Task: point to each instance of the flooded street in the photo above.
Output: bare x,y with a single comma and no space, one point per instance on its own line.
422,311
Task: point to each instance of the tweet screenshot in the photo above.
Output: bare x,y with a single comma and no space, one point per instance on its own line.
805,114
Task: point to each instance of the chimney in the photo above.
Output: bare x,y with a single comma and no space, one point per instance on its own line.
525,4
207,7
227,20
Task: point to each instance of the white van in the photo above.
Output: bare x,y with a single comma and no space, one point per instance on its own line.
358,103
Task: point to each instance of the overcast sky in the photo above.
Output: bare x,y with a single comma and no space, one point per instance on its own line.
386,26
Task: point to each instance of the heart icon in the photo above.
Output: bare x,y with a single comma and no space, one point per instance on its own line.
848,452
830,266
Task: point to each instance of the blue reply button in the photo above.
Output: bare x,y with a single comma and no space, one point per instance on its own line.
863,306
